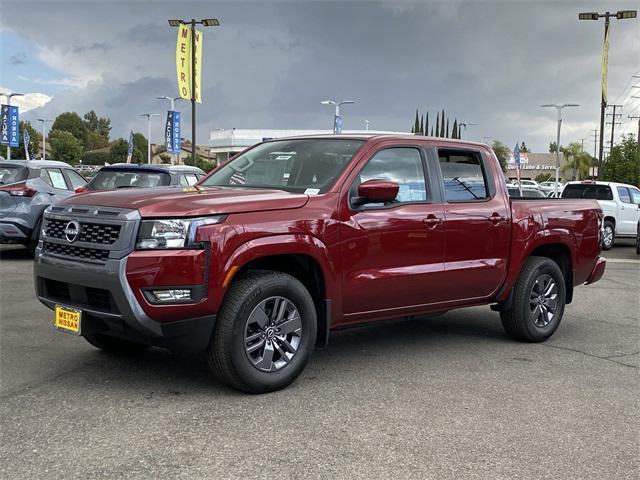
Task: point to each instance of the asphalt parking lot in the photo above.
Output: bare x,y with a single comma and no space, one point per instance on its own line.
448,397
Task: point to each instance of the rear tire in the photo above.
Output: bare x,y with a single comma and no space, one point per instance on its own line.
115,345
265,332
609,235
538,301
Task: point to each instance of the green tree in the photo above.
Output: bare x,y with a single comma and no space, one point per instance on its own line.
447,130
35,142
120,148
96,141
454,130
623,164
437,124
140,142
416,123
553,147
426,125
502,152
96,158
577,161
543,177
65,147
72,123
421,124
442,125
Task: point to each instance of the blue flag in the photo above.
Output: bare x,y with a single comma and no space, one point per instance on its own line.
175,128
516,155
27,145
10,126
130,149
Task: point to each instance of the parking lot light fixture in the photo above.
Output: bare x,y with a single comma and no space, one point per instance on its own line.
149,115
337,108
559,108
44,136
175,23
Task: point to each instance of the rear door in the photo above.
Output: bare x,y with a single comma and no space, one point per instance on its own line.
627,212
477,224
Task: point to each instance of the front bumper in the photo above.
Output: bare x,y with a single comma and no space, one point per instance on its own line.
109,304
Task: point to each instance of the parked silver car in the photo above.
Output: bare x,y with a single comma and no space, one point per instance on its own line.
27,187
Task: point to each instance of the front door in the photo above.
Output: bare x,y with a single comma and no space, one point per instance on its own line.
393,253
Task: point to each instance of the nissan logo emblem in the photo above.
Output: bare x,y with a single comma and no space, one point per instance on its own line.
71,231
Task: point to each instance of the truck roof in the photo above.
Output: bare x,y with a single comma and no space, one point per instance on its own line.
380,136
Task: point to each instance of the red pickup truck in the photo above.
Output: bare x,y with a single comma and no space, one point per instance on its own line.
296,237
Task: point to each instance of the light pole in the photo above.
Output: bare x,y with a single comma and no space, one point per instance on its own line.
337,112
149,115
172,100
44,136
620,15
559,108
465,125
206,22
366,125
9,97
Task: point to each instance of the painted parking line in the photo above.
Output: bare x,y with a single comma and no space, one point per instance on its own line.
622,260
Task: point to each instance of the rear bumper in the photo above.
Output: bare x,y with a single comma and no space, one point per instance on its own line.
110,306
14,231
598,270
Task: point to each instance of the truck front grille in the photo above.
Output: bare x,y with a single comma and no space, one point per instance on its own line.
72,251
89,232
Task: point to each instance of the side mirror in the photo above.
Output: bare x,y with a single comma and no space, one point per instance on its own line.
376,191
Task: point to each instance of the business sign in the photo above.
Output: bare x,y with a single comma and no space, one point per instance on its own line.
183,63
524,159
172,132
10,126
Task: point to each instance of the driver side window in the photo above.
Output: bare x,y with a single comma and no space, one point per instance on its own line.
402,165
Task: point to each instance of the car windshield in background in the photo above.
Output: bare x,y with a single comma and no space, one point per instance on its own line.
526,193
113,179
595,192
12,174
291,165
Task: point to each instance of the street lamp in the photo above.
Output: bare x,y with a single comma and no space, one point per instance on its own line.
620,15
44,136
559,108
465,125
149,115
366,125
172,100
207,22
337,112
9,97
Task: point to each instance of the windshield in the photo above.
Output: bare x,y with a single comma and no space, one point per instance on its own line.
293,165
593,191
112,179
12,174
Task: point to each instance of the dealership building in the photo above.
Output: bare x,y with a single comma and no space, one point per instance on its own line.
533,164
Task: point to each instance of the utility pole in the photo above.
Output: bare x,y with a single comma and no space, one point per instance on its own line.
613,122
149,115
620,15
636,117
44,136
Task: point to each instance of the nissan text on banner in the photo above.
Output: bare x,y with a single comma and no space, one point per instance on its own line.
183,62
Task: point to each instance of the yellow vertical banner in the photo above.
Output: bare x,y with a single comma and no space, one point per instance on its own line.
605,66
183,61
198,96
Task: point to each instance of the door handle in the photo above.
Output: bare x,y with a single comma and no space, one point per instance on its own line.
432,221
496,219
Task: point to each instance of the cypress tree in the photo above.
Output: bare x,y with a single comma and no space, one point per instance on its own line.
438,124
421,124
442,124
416,124
447,127
426,125
412,130
454,130
432,130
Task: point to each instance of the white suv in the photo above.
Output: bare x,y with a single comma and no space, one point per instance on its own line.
620,204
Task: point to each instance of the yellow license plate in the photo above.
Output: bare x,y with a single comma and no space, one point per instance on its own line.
67,319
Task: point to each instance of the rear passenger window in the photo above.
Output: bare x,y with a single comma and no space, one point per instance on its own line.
635,196
464,178
401,165
44,176
75,179
57,179
188,179
623,193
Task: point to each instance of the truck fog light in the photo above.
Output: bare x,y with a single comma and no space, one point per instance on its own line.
172,295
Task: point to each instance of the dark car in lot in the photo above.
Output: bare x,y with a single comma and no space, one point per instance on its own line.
27,187
129,175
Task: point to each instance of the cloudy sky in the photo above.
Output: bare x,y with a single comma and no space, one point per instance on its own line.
270,63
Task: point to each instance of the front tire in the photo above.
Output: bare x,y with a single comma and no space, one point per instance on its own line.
265,332
608,235
538,301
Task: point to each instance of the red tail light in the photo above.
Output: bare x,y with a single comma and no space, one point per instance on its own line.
82,190
19,190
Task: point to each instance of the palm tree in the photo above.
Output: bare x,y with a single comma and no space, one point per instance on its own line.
578,161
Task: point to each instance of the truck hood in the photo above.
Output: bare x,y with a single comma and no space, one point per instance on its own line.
192,201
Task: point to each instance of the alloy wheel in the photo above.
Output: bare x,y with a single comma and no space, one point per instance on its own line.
543,301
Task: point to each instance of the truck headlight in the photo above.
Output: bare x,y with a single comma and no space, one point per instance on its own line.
172,233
